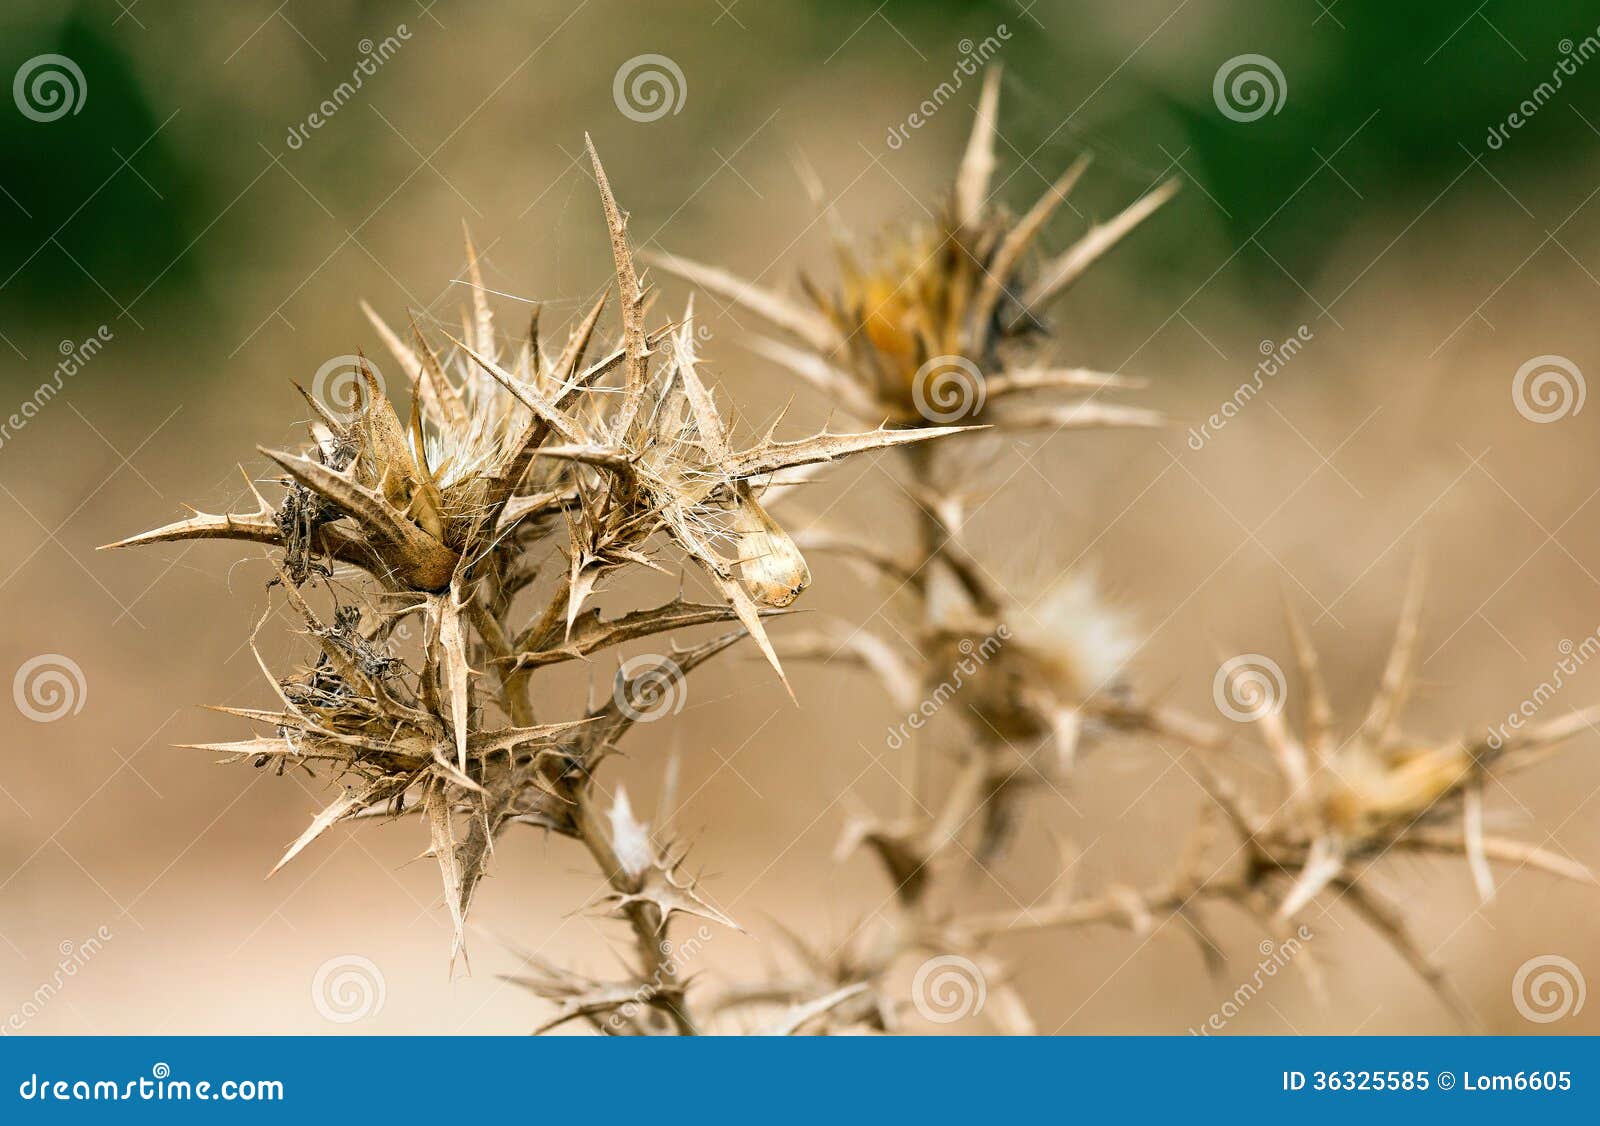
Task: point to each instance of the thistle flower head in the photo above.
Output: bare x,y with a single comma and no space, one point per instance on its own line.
1029,673
940,323
504,457
1377,788
1372,793
1347,801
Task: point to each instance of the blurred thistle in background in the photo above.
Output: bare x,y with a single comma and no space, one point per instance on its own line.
191,208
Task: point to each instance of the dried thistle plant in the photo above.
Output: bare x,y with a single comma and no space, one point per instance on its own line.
510,458
948,326
943,324
1345,804
1032,686
447,516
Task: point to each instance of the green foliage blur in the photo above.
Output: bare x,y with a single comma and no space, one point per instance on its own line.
108,212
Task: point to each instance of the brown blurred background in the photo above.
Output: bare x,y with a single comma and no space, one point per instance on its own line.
222,260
